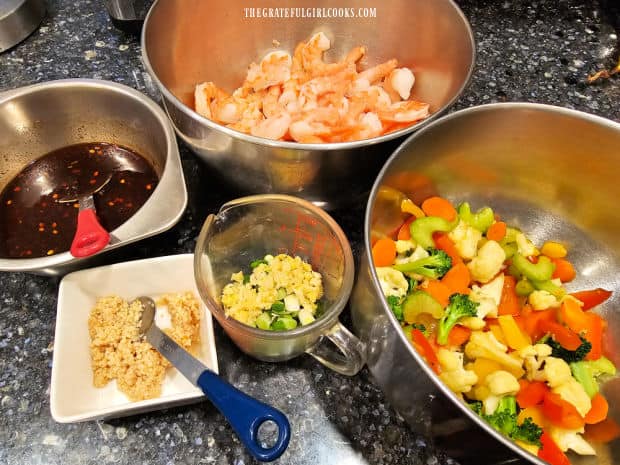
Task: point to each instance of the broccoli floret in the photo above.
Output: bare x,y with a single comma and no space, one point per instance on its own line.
395,305
528,432
434,266
586,373
570,356
504,418
476,406
460,306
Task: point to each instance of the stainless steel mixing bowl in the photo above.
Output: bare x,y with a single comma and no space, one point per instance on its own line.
552,172
37,119
186,42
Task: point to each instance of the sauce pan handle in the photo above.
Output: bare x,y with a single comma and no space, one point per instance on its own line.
246,414
350,356
90,237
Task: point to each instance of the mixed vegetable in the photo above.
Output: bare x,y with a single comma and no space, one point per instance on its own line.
489,312
279,293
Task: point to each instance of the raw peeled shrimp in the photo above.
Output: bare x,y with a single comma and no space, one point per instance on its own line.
305,99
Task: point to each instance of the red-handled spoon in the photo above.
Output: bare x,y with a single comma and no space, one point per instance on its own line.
90,237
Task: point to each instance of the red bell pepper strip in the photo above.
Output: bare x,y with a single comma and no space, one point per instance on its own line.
550,452
592,298
443,242
531,393
560,412
425,348
563,335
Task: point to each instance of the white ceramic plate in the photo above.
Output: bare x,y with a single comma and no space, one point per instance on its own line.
72,396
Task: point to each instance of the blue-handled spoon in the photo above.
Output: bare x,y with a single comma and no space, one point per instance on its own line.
244,413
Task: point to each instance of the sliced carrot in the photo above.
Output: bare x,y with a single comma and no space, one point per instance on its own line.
496,231
563,270
439,291
531,393
563,335
605,431
443,242
509,301
384,252
458,335
457,279
592,298
404,232
598,411
594,335
438,206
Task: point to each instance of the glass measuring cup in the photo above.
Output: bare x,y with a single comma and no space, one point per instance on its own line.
252,227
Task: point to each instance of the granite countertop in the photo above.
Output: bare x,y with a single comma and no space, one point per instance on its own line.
538,51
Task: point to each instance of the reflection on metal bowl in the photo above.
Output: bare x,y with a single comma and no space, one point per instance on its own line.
37,119
550,171
433,38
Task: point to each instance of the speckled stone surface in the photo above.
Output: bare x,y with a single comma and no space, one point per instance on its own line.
533,51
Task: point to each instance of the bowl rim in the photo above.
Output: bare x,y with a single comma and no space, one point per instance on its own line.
328,146
374,280
171,212
320,324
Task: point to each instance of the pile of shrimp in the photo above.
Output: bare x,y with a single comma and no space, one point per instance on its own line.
304,99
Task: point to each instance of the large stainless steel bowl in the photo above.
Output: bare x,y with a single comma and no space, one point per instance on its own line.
37,119
186,42
551,171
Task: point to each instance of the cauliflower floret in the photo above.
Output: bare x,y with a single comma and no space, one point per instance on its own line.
556,372
542,300
418,253
392,281
402,247
574,393
488,297
485,345
500,383
465,239
571,439
525,246
488,262
534,356
473,322
453,374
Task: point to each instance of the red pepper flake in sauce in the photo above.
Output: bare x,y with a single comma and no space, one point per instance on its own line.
92,181
149,187
74,168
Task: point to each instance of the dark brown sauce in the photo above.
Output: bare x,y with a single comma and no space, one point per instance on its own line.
33,223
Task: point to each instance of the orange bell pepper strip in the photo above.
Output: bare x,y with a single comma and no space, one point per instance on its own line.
404,233
590,325
563,335
425,348
550,452
560,412
598,411
458,335
509,301
604,431
443,242
457,279
531,393
592,298
384,252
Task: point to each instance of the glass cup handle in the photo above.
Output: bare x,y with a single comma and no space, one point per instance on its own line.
350,356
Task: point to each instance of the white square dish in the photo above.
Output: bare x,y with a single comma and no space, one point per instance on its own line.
73,397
